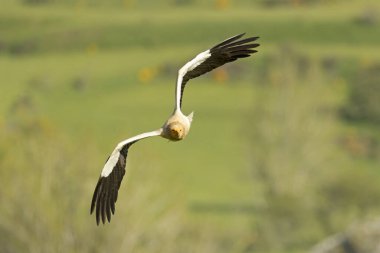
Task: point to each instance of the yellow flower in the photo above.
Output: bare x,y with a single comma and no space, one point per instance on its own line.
222,4
146,74
92,49
220,75
128,4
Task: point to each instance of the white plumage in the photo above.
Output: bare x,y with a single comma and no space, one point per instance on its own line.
114,157
191,65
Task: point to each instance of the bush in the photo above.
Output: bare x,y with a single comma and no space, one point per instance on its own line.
309,187
363,103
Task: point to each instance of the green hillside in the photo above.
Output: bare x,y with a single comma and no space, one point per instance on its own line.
284,148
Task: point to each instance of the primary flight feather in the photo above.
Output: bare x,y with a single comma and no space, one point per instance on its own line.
175,128
227,51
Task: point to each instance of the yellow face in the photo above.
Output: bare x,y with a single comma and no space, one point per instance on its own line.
176,131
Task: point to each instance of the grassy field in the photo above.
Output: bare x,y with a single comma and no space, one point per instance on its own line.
77,79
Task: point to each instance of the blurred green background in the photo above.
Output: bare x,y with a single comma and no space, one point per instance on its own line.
284,149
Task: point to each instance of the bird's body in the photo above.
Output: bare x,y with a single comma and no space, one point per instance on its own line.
176,127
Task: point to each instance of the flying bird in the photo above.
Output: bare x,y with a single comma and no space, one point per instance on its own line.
175,128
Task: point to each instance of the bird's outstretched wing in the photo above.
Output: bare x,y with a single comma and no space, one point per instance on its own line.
106,190
227,51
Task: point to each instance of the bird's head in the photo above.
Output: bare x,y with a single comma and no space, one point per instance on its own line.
176,131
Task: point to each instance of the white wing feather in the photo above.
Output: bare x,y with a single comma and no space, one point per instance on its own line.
199,59
114,158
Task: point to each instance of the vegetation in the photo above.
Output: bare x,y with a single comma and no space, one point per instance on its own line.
284,149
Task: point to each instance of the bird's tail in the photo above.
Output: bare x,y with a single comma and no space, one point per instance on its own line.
190,116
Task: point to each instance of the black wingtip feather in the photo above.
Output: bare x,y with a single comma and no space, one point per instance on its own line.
93,201
106,190
233,48
246,51
229,40
97,212
245,46
103,200
226,51
240,42
243,55
108,206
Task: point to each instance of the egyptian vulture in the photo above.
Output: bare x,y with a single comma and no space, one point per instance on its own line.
175,128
